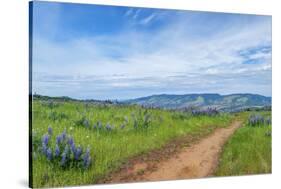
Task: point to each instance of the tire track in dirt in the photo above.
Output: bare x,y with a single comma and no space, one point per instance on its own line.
198,160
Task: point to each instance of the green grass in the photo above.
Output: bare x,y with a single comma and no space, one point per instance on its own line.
248,151
108,149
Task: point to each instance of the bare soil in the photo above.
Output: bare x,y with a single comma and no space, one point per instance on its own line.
181,159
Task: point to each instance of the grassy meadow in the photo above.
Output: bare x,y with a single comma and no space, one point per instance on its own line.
249,150
103,136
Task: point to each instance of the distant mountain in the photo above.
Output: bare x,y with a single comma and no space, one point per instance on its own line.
232,102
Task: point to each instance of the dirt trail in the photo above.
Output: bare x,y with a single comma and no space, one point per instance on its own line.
197,160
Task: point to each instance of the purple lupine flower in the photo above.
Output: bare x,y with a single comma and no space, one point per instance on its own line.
59,139
64,156
49,154
87,158
63,135
256,120
63,159
78,153
70,141
87,162
44,148
108,127
73,148
99,125
50,130
57,151
86,123
66,150
94,126
45,139
209,112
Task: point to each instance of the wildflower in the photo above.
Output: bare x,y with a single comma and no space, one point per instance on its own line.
63,135
59,139
256,120
108,127
86,123
94,126
70,141
45,139
122,126
57,151
63,159
73,148
78,153
44,148
49,154
64,155
99,125
87,158
50,130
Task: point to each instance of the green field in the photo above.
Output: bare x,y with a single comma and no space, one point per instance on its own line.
248,151
122,132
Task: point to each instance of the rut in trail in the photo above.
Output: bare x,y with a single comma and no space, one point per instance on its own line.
198,160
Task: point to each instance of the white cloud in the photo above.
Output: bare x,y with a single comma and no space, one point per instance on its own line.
140,63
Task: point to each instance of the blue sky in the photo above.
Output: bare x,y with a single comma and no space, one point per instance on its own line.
110,52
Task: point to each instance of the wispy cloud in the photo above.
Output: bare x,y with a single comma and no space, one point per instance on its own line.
147,19
129,12
136,14
193,52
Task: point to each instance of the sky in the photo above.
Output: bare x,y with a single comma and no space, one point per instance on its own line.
110,52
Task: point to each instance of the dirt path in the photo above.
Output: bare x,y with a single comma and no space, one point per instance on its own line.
195,161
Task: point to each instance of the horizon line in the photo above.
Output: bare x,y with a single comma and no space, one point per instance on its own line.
88,99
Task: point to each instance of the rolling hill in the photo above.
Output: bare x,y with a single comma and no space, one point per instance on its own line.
232,102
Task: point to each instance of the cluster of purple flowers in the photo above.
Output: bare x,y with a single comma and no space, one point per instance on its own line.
65,153
98,125
258,120
83,122
108,127
122,126
142,120
208,112
50,104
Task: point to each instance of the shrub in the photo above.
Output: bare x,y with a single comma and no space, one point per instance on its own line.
57,116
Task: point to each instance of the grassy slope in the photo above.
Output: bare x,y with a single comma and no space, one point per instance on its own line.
110,149
247,152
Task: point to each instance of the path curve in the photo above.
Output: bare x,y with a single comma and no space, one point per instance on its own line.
198,160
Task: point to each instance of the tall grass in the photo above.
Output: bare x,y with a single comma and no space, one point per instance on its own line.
133,131
249,150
